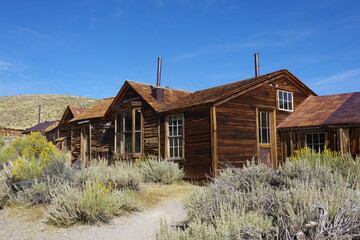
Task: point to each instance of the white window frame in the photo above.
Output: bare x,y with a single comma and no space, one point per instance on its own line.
287,101
181,136
312,144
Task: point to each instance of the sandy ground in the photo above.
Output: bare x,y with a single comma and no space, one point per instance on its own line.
141,225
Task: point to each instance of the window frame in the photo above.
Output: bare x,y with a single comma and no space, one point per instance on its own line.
267,128
318,143
120,132
167,140
278,101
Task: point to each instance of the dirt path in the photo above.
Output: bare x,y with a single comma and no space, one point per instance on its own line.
142,225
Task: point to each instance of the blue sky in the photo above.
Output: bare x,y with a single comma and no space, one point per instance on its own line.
90,47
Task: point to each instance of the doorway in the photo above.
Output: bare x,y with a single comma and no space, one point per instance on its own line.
266,137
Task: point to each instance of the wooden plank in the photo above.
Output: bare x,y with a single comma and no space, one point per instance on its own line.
214,154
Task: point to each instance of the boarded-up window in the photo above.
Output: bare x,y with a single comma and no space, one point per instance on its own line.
285,101
175,136
316,141
264,127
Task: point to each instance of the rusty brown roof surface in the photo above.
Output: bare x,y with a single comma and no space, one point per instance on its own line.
40,126
76,111
145,91
215,94
96,111
338,109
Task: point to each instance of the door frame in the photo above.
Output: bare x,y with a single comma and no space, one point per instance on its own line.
273,141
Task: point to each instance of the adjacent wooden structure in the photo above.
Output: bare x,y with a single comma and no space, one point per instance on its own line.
90,135
4,132
332,121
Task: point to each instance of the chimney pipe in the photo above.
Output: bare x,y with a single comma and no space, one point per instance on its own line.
158,81
257,67
39,114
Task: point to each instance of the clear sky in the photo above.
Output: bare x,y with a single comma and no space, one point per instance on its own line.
89,47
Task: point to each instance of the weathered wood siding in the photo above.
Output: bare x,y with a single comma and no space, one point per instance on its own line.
197,143
150,141
236,122
10,132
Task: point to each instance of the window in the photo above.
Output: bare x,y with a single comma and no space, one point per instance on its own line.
175,136
264,127
285,101
128,132
316,141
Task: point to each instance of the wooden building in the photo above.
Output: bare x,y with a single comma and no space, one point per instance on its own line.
63,139
4,132
91,135
40,127
332,121
206,130
135,114
231,124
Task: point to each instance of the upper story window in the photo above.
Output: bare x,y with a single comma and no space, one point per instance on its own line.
285,101
316,141
128,135
175,136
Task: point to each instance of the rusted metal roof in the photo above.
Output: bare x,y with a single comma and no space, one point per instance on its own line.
338,109
96,111
40,127
76,110
145,91
219,93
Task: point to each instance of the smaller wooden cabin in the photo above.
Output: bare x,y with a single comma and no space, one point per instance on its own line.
63,140
40,127
332,121
91,135
4,132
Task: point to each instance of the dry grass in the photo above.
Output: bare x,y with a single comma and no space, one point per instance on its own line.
21,111
152,194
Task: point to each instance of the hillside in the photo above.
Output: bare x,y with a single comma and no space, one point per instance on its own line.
21,111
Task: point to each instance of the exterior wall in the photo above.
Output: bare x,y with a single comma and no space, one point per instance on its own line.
345,140
237,127
10,132
150,130
197,143
52,135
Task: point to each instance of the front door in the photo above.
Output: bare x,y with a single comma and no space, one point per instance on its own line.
266,137
85,145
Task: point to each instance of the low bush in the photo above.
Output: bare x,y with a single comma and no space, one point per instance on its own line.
7,154
95,203
122,174
306,199
162,171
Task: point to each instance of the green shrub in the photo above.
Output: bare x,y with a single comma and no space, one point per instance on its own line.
95,203
123,175
304,198
7,154
64,209
155,170
5,186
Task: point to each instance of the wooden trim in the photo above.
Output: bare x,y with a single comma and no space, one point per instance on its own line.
249,89
166,150
159,137
214,155
89,142
115,134
257,135
133,120
273,141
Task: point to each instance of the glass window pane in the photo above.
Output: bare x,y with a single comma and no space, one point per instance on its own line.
316,138
322,138
308,138
137,142
281,95
171,152
285,96
128,121
290,106
128,142
286,105
137,120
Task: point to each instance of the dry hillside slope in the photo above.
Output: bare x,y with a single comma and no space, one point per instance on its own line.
21,111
